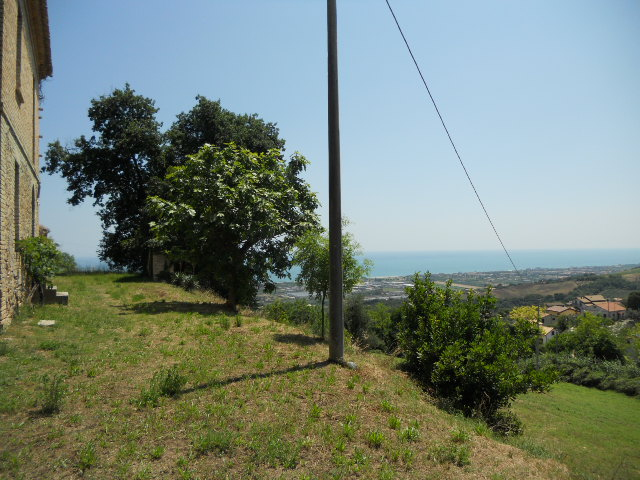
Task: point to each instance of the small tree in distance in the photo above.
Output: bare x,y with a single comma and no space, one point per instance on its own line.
312,256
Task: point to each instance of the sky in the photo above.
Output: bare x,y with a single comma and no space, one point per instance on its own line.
541,97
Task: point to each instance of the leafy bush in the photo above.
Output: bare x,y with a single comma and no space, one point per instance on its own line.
590,338
298,312
41,259
461,350
591,372
184,280
356,319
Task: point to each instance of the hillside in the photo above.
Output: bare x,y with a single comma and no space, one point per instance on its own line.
565,290
254,399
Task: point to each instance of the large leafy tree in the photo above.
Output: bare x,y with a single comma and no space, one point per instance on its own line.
114,167
312,256
458,347
209,122
234,215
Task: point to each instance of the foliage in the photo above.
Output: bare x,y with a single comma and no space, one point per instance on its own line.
356,319
52,393
530,313
115,167
633,301
591,372
208,122
298,312
590,338
185,280
383,325
234,215
469,357
312,256
41,259
66,264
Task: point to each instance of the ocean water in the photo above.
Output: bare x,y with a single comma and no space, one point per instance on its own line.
391,264
388,264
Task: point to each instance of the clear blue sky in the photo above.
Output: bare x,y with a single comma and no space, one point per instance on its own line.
542,99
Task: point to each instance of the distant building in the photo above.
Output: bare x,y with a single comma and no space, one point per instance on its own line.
555,312
25,62
599,305
548,333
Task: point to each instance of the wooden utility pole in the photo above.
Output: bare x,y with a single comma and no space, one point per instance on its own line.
336,325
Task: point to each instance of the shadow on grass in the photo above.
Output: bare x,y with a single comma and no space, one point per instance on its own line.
182,307
255,376
133,278
297,338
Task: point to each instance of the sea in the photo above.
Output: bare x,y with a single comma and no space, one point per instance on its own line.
392,264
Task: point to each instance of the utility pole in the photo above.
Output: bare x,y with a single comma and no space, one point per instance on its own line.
336,324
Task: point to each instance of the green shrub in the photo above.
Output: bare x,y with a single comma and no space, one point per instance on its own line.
52,393
298,312
456,346
87,457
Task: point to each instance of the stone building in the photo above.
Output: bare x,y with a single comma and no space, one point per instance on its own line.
25,62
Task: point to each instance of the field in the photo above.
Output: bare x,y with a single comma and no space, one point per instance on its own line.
595,433
142,380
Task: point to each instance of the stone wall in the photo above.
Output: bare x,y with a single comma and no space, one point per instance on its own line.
19,142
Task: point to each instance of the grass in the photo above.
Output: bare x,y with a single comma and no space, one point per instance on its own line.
596,433
232,396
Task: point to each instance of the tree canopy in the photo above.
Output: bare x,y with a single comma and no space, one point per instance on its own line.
234,215
114,167
312,256
208,122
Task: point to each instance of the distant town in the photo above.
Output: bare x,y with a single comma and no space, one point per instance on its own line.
392,288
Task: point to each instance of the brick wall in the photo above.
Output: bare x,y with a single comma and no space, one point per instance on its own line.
19,144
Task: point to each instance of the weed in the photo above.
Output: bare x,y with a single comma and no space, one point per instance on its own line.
351,383
341,445
386,473
394,423
87,457
157,452
315,412
137,297
214,440
4,348
386,406
52,393
238,321
459,436
454,454
225,323
409,434
167,382
375,438
144,332
49,345
359,457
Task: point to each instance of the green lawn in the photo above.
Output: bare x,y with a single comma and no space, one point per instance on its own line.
142,380
595,433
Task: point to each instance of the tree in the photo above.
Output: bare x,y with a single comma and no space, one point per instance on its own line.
457,346
312,256
234,215
114,167
209,122
633,301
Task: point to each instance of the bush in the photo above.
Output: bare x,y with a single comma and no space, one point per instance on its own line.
298,312
184,280
457,347
356,319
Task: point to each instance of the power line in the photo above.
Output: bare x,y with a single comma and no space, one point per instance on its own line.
449,135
